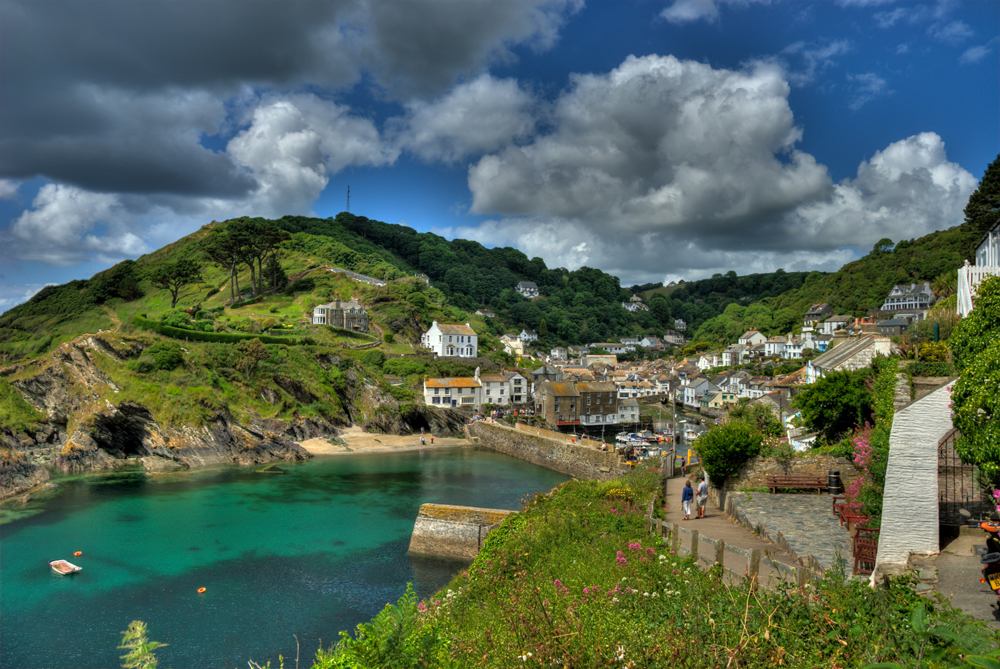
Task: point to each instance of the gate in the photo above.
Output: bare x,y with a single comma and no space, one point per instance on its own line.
960,486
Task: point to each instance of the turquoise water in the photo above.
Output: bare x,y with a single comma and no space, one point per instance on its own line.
308,553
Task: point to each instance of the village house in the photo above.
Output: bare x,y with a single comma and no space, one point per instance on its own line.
448,340
495,389
733,354
558,402
673,338
852,354
594,358
903,297
512,345
893,327
752,338
598,403
970,276
628,412
559,353
816,313
528,289
680,325
578,351
774,347
834,323
528,336
520,387
346,315
635,304
708,361
453,392
485,313
612,347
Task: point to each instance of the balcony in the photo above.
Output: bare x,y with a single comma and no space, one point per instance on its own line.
969,278
567,422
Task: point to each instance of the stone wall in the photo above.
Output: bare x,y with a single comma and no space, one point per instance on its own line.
453,532
754,473
582,462
909,503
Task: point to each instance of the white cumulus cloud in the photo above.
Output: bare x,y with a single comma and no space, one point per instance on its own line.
295,142
479,116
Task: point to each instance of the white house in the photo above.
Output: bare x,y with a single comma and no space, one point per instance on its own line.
451,341
635,304
909,296
834,323
987,264
628,411
528,336
495,389
520,387
774,346
733,354
752,338
680,325
528,289
453,392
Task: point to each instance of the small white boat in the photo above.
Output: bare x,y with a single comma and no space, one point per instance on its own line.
63,567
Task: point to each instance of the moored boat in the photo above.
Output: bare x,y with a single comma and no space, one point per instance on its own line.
63,567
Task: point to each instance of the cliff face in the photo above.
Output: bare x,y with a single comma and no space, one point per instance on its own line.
87,432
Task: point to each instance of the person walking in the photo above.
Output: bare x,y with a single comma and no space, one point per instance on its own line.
686,495
702,498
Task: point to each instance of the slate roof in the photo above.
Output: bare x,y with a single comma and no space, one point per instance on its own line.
559,389
843,352
456,329
464,382
596,387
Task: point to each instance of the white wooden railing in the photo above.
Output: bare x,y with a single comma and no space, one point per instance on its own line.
969,278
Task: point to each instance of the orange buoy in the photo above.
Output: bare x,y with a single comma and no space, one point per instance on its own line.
201,590
78,553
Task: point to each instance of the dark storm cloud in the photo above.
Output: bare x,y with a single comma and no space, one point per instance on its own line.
117,96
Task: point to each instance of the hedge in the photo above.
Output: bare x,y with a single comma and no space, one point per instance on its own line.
195,335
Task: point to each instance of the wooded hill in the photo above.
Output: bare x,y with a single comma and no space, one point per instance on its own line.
575,307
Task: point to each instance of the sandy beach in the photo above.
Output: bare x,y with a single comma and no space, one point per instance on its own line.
354,440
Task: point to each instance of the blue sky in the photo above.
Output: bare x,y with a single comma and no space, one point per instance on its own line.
653,140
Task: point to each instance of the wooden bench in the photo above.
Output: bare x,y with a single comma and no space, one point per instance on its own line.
865,548
775,481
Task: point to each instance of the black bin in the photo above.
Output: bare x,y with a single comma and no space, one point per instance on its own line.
833,484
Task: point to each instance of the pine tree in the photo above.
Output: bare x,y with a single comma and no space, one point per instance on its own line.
983,210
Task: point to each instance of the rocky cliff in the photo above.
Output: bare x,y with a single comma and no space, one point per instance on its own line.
87,431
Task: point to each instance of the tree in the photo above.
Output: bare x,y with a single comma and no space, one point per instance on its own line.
723,449
983,210
253,352
975,346
883,245
836,404
174,276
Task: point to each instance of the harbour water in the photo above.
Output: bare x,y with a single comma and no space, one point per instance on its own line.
302,554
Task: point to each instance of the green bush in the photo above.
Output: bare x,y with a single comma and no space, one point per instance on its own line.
932,369
388,337
176,319
374,358
194,335
165,355
724,449
305,285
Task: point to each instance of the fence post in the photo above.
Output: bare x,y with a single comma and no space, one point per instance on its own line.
720,552
800,579
659,527
753,568
694,545
676,539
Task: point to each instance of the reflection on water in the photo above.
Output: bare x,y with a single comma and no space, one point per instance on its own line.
307,554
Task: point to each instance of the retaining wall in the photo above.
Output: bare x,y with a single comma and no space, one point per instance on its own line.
582,462
454,532
753,474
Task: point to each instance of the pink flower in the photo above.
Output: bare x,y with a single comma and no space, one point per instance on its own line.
996,494
422,607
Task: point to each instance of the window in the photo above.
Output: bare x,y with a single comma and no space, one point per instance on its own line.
487,392
437,390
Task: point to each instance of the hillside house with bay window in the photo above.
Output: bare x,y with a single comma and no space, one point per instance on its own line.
451,341
346,315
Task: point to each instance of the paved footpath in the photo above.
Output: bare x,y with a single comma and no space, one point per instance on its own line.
776,564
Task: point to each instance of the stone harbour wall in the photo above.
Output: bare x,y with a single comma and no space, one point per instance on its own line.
453,532
582,462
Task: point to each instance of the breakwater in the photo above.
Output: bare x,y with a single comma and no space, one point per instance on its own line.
576,460
454,532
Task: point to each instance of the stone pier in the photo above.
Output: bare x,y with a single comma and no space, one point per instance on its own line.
453,532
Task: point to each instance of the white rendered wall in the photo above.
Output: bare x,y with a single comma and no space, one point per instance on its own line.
910,500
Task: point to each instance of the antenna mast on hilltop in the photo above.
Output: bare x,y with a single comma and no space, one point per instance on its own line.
348,199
